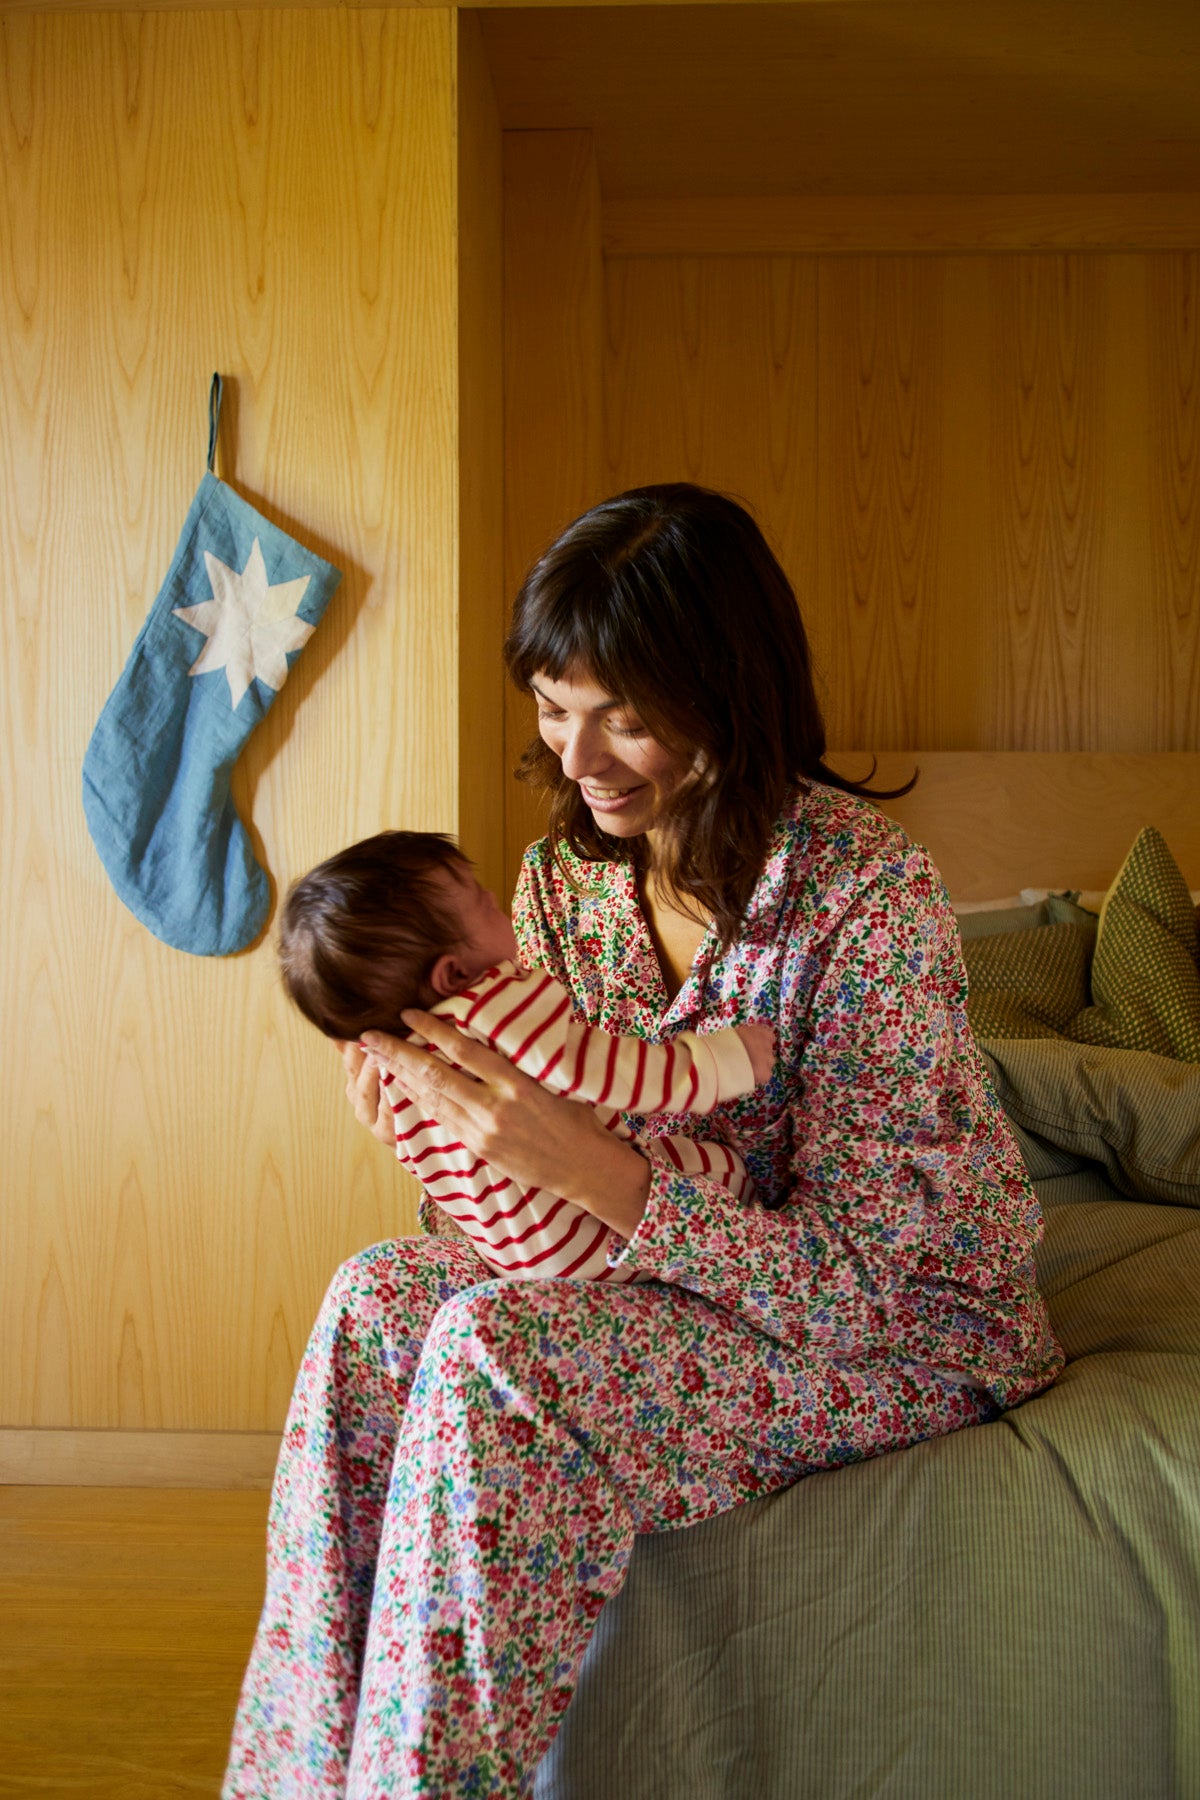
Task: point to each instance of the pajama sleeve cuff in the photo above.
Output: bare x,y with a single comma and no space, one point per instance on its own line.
734,1070
664,1228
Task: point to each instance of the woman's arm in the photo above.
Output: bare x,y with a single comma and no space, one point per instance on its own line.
903,1173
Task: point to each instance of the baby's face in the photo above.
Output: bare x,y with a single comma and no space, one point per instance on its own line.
487,933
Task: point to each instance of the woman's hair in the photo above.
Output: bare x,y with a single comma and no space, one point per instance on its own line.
671,600
359,934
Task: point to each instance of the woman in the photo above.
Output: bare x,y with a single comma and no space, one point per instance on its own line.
467,1461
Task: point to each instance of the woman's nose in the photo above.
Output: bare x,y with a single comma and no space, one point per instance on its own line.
581,754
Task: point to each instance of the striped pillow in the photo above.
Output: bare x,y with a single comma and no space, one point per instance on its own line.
1136,1113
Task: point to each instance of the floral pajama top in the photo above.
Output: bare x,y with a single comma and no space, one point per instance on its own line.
894,1218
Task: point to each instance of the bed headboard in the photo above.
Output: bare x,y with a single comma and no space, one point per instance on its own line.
996,821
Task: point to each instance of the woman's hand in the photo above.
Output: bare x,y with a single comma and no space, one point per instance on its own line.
534,1137
365,1093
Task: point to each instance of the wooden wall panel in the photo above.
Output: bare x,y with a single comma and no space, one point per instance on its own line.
166,1459
710,376
1057,819
897,97
879,499
181,1172
1123,604
990,497
936,224
482,601
1171,327
553,401
1045,500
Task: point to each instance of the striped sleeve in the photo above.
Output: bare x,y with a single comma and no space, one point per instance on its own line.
522,1013
691,1074
526,1015
690,1156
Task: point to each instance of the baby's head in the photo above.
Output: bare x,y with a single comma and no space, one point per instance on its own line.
396,921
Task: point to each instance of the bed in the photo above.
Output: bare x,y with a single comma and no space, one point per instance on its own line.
1013,1611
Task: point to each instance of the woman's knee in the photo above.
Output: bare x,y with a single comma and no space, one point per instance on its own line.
521,1335
397,1268
359,1279
390,1292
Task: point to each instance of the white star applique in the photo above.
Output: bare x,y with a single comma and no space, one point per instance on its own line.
250,625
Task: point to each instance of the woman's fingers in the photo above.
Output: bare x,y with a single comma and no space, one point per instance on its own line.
438,1091
537,1139
366,1095
469,1054
426,1073
471,1101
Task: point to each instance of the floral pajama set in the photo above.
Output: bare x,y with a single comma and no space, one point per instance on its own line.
467,1459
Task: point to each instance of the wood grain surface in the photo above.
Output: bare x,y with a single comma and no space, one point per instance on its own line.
996,822
980,473
1171,329
128,1619
893,97
273,195
36,6
161,1459
482,616
879,495
710,376
553,392
1047,647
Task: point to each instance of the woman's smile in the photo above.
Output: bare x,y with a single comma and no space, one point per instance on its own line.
623,773
602,799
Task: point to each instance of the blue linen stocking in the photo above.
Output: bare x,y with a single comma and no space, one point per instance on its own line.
240,600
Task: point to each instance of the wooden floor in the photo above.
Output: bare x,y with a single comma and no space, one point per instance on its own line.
126,1616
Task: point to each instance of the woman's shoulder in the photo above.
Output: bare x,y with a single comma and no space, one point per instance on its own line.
826,828
832,849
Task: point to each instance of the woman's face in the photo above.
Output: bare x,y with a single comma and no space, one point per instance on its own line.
623,773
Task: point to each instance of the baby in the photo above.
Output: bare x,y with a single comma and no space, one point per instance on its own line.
400,921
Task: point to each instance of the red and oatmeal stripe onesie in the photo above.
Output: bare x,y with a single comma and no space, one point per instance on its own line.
526,1015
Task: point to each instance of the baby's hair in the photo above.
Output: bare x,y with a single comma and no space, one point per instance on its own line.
359,934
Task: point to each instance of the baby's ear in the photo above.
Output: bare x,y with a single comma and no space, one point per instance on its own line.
447,976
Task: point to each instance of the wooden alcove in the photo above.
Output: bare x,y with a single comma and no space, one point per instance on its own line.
917,279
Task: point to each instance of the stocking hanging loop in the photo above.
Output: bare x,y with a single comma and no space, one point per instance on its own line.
214,422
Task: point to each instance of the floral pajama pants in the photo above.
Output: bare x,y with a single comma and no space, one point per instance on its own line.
464,1469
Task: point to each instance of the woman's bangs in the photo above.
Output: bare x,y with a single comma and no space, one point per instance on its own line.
545,638
566,634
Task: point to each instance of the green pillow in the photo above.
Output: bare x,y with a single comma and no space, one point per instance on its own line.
1030,984
1001,920
1136,1113
1145,981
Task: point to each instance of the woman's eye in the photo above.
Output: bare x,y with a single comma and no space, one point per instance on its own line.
630,730
549,718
